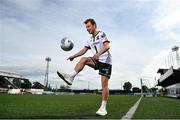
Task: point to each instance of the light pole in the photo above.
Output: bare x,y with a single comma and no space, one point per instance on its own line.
175,49
122,82
141,87
88,85
48,59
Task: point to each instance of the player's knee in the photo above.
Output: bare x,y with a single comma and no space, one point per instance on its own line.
84,60
105,85
105,88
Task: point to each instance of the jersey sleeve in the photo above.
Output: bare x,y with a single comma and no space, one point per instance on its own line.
104,38
87,45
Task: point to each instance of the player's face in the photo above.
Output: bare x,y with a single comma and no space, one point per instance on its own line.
90,28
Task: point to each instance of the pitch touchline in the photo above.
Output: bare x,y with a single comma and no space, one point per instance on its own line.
132,110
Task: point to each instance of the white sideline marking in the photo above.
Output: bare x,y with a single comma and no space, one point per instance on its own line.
132,110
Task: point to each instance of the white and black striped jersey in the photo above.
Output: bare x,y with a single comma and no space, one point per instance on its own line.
95,43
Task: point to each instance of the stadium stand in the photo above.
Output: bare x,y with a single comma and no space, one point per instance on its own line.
12,80
170,81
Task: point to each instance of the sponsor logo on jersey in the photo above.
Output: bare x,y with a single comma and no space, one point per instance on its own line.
95,43
106,70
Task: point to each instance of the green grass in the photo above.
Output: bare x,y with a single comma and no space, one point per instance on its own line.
158,108
85,106
62,106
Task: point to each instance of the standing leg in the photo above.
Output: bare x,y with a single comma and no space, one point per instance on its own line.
105,91
105,94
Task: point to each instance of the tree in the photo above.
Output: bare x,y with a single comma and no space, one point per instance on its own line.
48,88
145,88
127,86
136,90
153,89
37,85
64,87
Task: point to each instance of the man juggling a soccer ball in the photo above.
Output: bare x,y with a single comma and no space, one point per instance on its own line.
101,60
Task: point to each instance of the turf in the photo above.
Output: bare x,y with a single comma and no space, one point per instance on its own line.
158,108
62,106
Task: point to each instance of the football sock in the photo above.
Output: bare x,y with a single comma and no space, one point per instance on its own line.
74,73
103,104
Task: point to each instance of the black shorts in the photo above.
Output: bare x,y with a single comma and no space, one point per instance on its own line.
104,68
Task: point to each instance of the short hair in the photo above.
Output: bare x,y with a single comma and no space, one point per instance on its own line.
92,21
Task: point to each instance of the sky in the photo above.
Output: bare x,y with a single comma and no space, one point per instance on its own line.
141,35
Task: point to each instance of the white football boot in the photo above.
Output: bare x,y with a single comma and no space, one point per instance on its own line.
101,112
66,77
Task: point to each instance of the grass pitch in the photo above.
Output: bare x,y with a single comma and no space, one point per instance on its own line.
62,106
158,108
85,106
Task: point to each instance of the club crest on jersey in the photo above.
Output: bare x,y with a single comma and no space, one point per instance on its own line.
103,35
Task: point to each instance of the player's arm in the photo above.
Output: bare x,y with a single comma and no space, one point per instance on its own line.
105,48
80,53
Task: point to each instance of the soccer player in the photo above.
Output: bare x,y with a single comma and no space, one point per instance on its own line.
101,60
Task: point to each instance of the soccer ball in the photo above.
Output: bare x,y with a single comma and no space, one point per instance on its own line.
67,44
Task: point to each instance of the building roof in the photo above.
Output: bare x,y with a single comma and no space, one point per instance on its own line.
162,71
170,77
11,75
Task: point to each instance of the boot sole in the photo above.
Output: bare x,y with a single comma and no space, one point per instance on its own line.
61,76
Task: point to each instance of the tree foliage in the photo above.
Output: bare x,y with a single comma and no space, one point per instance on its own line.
127,86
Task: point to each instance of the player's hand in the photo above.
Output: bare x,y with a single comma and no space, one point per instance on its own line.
96,56
71,58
